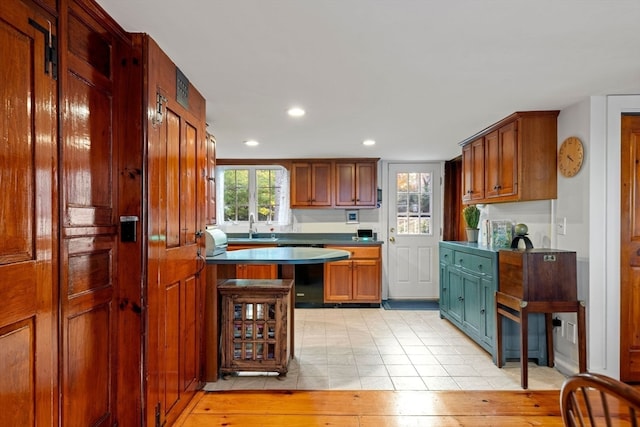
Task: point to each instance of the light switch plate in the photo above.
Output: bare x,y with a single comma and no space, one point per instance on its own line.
562,226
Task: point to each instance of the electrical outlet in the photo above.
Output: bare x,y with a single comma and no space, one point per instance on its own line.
562,226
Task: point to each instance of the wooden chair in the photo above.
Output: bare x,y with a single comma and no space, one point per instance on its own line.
588,399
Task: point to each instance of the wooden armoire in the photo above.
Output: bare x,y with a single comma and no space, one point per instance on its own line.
103,166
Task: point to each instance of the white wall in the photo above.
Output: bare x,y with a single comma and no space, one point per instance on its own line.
573,204
591,203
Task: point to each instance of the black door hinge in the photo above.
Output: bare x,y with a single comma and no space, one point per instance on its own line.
50,49
158,423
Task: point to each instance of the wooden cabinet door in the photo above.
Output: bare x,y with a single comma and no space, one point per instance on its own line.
338,277
257,271
492,164
29,220
366,187
501,163
467,173
321,184
176,211
356,184
100,311
300,185
366,280
473,166
254,271
630,250
345,184
311,184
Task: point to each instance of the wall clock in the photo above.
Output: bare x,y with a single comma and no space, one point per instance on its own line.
570,156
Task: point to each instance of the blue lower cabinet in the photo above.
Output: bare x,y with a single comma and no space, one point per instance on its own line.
468,282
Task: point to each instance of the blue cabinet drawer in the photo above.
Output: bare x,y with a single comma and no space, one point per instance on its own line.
482,265
446,256
474,263
464,260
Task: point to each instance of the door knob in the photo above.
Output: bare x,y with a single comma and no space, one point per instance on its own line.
392,239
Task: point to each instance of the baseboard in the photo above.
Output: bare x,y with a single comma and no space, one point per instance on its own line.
565,366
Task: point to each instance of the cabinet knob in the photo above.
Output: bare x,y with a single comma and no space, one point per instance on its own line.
460,298
482,311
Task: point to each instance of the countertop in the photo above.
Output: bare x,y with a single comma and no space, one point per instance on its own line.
286,239
286,255
470,245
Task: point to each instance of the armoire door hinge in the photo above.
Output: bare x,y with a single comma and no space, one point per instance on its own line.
158,416
50,49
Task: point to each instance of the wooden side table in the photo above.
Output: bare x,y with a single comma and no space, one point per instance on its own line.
538,281
256,325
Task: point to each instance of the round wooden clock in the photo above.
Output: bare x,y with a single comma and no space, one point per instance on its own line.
570,156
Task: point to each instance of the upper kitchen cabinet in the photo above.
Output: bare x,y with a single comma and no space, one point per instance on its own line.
519,160
473,171
356,184
311,184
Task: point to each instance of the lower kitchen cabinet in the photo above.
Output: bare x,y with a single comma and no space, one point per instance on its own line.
254,271
356,280
468,282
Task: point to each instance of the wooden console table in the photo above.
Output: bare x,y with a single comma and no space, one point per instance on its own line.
538,281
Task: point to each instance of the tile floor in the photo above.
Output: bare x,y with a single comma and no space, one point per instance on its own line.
377,349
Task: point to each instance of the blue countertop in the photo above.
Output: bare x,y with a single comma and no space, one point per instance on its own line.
290,255
470,245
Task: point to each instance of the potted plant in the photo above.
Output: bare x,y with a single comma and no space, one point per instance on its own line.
471,215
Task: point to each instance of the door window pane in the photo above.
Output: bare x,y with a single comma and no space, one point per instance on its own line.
413,201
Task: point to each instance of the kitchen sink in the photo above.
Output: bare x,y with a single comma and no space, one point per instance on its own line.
253,239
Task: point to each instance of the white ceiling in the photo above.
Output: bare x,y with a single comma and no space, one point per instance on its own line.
418,76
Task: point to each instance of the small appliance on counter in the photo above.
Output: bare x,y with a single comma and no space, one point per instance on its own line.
215,241
365,234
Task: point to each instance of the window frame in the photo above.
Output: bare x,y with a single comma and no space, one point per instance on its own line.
280,202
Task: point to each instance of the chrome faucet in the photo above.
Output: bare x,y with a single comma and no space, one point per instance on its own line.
252,221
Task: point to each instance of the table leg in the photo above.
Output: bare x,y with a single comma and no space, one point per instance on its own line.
582,338
524,348
548,321
498,336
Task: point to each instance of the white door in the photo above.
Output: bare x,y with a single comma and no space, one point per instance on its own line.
414,230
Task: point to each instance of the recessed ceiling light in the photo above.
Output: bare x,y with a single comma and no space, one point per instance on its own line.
368,142
251,143
296,112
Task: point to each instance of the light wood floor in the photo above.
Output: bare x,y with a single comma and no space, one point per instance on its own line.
367,408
